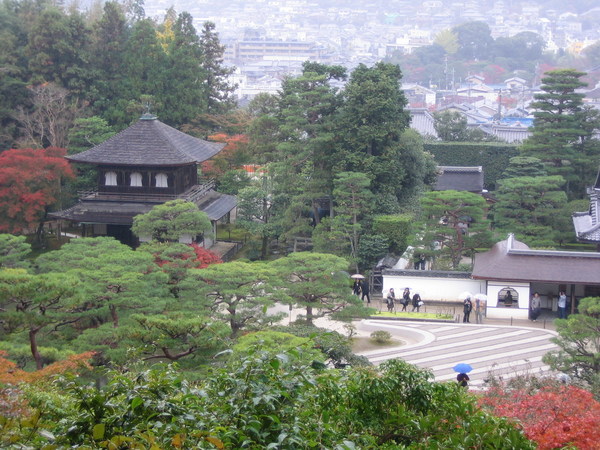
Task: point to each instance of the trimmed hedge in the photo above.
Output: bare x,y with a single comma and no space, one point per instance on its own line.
492,156
396,228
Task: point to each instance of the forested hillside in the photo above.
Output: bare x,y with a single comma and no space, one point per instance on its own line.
60,65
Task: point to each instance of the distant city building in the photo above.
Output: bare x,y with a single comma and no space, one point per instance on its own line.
248,51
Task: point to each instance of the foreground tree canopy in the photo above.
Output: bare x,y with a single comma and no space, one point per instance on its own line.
579,344
265,401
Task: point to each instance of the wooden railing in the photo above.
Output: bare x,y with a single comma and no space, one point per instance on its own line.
191,195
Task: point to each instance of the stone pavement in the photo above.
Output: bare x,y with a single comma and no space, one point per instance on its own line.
498,350
499,347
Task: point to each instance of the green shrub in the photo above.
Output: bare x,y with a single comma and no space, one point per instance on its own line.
396,229
381,337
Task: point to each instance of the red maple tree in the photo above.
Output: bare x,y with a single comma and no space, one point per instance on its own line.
30,181
231,157
553,416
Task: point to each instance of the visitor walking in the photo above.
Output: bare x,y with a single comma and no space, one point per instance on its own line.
391,297
463,380
536,307
416,302
562,305
467,307
364,288
356,288
479,309
405,298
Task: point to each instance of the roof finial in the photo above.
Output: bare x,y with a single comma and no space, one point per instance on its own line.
147,114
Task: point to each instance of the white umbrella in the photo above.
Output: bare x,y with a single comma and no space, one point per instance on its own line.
357,276
481,296
464,295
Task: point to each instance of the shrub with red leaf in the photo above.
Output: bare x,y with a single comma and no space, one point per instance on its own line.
204,257
29,183
553,416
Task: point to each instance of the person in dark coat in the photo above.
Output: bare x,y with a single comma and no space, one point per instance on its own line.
416,301
405,298
467,307
356,288
391,298
463,380
364,288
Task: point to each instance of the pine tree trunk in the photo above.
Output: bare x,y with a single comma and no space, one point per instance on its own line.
114,315
34,348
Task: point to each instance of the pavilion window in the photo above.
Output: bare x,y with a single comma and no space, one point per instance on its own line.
508,297
162,180
135,179
110,178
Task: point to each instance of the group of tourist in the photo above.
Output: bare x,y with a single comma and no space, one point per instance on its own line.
536,306
405,300
479,305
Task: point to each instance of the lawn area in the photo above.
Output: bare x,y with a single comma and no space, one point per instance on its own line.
413,315
231,232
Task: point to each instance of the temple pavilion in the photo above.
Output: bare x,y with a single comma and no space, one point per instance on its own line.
147,164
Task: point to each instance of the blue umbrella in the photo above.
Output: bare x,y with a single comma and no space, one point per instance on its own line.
462,368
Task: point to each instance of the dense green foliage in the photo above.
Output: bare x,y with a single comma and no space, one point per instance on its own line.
492,157
154,303
265,401
336,156
171,221
527,206
59,64
454,224
397,229
451,126
579,345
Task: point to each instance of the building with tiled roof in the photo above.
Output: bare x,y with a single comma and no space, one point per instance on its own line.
460,178
512,266
147,164
587,223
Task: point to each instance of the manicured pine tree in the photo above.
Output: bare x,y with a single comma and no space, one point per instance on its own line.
562,131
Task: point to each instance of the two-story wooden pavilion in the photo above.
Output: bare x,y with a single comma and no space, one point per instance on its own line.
146,164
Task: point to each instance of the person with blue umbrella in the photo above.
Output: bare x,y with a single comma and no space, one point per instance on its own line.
462,378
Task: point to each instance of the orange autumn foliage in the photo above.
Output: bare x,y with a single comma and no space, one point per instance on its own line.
226,159
11,374
553,416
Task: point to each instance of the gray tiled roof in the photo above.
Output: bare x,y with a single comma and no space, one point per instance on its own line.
149,142
214,204
460,178
114,213
512,260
